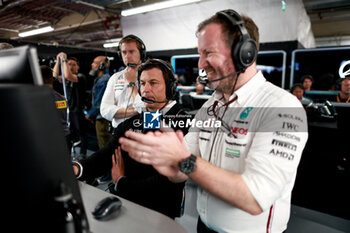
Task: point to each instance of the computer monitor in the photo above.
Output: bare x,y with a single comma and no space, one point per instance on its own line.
186,67
273,66
322,64
20,65
36,162
271,63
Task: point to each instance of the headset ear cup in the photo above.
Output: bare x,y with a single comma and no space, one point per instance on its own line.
143,53
337,84
244,53
171,89
118,52
248,52
102,66
137,83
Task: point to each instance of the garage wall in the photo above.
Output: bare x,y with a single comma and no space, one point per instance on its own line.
175,28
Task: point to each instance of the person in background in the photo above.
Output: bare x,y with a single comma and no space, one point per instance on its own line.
99,70
199,87
344,93
246,166
298,90
121,100
134,181
75,89
60,101
307,81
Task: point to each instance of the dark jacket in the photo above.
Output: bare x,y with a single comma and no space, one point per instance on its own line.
100,84
142,183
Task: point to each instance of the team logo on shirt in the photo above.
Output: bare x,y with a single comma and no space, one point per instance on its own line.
151,120
137,122
245,113
232,153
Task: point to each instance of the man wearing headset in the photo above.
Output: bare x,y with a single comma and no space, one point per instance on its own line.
134,181
246,167
99,70
120,100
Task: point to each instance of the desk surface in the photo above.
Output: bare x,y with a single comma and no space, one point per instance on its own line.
133,218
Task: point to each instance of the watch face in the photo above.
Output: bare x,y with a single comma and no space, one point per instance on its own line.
187,165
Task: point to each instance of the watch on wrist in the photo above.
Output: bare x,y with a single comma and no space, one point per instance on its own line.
188,165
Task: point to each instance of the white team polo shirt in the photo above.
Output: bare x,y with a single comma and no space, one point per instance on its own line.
117,95
266,131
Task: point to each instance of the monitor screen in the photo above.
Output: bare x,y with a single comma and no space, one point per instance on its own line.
20,65
322,64
36,161
186,68
271,63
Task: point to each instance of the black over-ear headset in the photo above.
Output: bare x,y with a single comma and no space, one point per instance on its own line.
244,50
171,84
142,50
104,65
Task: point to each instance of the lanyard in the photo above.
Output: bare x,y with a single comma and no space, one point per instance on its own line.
338,99
211,112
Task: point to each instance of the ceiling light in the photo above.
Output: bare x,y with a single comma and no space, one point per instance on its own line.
36,31
156,6
111,45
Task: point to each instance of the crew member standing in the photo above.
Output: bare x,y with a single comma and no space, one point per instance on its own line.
121,99
99,69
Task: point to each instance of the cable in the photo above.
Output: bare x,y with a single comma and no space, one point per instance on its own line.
109,185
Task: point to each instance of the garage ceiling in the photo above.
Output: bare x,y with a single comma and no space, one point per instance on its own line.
90,23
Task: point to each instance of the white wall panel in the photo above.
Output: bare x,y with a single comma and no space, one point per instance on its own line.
175,28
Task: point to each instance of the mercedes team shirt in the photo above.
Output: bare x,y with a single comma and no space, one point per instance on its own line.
262,134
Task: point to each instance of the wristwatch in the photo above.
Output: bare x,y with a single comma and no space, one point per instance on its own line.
188,165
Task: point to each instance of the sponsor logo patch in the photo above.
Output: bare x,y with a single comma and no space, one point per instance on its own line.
232,153
61,104
245,113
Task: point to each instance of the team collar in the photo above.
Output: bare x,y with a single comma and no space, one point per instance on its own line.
253,85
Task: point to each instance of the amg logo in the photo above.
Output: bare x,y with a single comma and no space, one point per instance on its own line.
282,154
287,145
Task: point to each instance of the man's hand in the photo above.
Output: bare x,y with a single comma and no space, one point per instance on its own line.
117,169
63,55
92,121
130,73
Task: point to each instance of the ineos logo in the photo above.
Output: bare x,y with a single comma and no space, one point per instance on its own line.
237,130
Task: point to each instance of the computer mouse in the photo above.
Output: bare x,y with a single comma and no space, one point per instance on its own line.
107,208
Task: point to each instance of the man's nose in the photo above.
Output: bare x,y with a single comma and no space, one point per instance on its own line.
202,63
146,88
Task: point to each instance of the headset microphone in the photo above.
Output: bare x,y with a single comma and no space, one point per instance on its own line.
149,101
204,79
